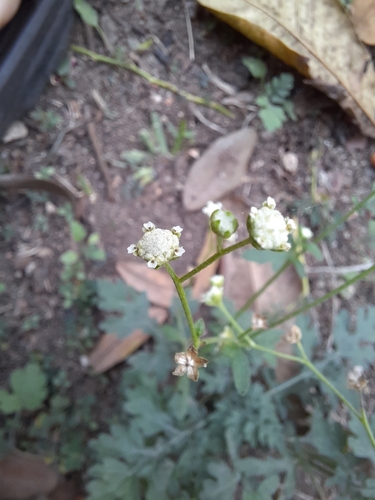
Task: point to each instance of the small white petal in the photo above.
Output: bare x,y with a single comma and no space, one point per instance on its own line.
177,230
180,370
210,208
180,358
148,226
253,211
152,264
291,225
132,248
270,203
180,251
217,280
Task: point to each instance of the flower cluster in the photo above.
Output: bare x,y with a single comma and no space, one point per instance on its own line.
214,295
158,246
188,362
268,229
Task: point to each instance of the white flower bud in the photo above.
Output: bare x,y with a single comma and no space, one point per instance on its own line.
158,246
214,295
268,229
306,233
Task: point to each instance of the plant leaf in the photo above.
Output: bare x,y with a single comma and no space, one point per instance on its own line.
129,305
241,371
333,59
29,385
87,13
9,403
78,231
223,486
257,67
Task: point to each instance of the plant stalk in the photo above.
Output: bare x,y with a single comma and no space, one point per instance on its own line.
184,302
213,258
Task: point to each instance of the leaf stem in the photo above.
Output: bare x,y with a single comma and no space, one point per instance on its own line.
184,302
152,79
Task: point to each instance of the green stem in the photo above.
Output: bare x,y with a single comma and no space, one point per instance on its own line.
261,348
332,227
153,80
366,423
259,292
229,317
325,381
314,303
213,258
184,302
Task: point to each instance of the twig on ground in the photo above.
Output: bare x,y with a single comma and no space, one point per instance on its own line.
91,130
154,81
189,32
199,116
357,268
220,84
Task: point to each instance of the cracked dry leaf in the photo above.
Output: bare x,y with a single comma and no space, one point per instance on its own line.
316,38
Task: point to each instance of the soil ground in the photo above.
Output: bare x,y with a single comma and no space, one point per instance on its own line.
343,168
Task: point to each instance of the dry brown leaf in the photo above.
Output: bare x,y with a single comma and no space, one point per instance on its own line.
23,475
220,169
363,17
202,280
243,278
317,38
110,350
157,285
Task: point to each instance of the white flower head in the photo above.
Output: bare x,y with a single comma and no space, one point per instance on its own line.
188,362
268,229
210,208
158,246
214,295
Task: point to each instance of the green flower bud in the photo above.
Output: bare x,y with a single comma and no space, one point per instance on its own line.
223,223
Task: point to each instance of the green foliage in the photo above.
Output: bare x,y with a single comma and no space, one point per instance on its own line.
358,346
275,107
47,120
156,141
241,370
257,68
28,390
74,287
126,303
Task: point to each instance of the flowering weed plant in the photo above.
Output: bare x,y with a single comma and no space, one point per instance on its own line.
208,440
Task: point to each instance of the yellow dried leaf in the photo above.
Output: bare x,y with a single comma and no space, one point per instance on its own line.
316,38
